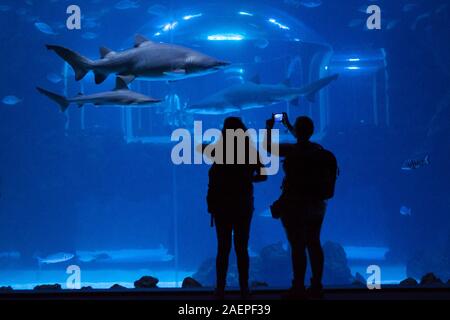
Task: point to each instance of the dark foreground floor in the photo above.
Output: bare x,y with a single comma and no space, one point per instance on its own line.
387,293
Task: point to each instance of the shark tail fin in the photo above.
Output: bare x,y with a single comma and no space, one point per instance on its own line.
312,89
60,100
80,64
427,159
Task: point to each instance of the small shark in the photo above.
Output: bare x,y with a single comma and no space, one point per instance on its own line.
148,60
55,258
412,164
253,94
121,96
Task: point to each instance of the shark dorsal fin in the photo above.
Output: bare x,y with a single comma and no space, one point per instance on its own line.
139,39
287,82
121,84
256,79
104,52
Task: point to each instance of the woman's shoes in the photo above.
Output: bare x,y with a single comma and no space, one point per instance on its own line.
219,294
294,294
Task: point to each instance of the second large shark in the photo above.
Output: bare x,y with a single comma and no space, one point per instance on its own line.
148,60
253,94
120,96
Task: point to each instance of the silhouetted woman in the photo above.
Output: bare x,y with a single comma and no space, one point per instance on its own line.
230,200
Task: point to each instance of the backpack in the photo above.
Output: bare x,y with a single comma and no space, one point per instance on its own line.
311,171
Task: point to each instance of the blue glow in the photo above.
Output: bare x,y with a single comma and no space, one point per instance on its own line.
192,16
170,26
281,26
296,39
157,33
353,68
243,13
354,59
226,37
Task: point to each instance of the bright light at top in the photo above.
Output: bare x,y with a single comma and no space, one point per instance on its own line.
243,13
226,37
192,16
354,59
170,26
281,26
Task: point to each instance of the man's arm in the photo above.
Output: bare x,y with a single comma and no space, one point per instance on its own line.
283,148
288,125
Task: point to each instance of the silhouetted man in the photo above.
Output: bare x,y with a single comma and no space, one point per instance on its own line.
230,202
310,174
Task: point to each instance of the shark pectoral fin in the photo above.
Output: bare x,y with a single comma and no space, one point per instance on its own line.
121,83
100,77
127,79
295,102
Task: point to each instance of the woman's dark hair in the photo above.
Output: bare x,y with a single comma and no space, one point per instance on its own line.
233,123
304,128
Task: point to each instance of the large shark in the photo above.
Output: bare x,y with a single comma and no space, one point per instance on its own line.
148,60
253,94
120,96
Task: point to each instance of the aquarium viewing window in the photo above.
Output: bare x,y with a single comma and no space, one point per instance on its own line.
210,150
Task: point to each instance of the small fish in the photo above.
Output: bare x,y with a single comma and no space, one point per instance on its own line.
44,28
261,43
392,24
419,19
56,258
157,10
355,23
441,8
311,4
22,11
409,7
5,8
89,35
127,4
11,255
292,3
90,24
11,100
405,211
413,164
54,78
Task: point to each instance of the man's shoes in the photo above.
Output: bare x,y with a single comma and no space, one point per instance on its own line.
314,293
245,293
